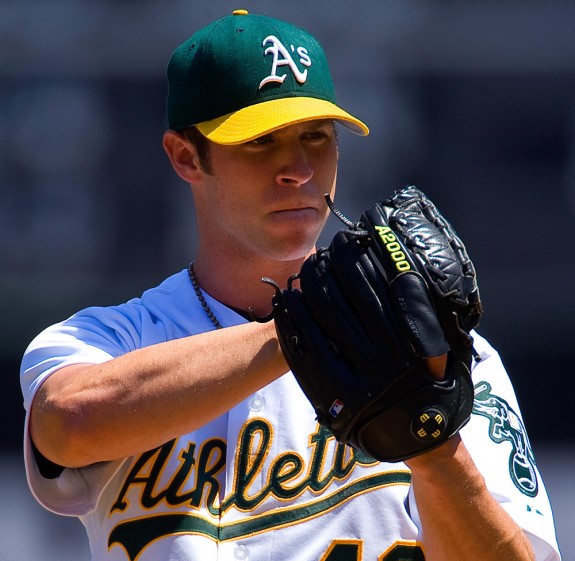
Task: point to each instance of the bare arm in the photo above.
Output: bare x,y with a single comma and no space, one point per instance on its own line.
88,413
460,519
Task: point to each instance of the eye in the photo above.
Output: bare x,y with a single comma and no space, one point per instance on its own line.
260,140
317,134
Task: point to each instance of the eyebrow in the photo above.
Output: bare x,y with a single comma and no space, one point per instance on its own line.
319,122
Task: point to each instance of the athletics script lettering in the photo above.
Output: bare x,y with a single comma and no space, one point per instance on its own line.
288,476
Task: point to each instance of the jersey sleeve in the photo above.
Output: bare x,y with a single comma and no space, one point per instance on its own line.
92,336
497,440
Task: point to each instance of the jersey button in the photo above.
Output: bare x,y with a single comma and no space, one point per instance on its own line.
257,403
241,552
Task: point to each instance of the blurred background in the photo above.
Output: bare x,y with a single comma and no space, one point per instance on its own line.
474,102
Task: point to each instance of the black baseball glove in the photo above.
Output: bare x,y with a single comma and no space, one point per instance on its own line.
390,291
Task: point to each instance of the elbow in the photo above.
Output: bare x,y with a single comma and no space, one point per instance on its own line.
61,430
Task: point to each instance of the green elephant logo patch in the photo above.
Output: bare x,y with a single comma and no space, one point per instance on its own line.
506,426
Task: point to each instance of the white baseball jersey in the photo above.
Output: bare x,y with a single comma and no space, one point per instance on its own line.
264,481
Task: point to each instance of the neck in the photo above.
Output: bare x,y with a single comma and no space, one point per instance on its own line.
239,285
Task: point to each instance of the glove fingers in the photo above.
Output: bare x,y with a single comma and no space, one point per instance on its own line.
419,319
309,350
327,299
367,291
410,293
441,256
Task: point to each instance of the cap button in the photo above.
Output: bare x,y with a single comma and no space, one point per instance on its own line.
240,13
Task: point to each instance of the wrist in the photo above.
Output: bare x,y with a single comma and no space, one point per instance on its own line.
449,454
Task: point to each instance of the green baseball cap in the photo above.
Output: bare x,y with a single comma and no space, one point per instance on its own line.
246,75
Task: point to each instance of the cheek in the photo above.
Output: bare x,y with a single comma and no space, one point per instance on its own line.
332,183
328,168
325,177
234,206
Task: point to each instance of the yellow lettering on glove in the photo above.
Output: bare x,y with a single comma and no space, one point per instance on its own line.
394,248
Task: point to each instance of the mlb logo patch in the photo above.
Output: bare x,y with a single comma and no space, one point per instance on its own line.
336,408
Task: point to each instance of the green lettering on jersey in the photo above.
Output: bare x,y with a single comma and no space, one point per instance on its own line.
287,477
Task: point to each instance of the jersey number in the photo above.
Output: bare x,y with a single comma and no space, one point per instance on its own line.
351,550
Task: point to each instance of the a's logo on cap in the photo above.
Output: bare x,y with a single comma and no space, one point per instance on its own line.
283,57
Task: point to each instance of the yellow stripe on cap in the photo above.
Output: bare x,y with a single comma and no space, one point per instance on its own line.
262,118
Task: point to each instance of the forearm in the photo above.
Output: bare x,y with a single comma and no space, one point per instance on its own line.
460,519
88,413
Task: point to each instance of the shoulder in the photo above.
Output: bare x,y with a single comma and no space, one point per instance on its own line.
97,334
482,346
121,328
489,370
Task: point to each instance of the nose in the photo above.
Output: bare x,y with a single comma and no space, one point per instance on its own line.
295,168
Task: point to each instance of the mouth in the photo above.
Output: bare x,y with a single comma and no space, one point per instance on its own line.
296,210
298,206
296,214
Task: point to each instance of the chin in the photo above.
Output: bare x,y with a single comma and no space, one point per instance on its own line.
296,253
292,252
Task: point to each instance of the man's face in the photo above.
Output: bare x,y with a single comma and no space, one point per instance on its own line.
265,198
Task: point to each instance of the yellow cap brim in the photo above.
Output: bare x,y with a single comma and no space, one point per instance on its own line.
262,118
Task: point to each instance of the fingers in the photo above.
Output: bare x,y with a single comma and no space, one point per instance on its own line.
436,365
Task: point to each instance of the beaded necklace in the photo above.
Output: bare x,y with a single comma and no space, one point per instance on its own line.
201,298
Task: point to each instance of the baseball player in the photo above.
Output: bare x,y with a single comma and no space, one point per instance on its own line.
171,426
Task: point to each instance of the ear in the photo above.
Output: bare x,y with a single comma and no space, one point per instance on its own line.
182,155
